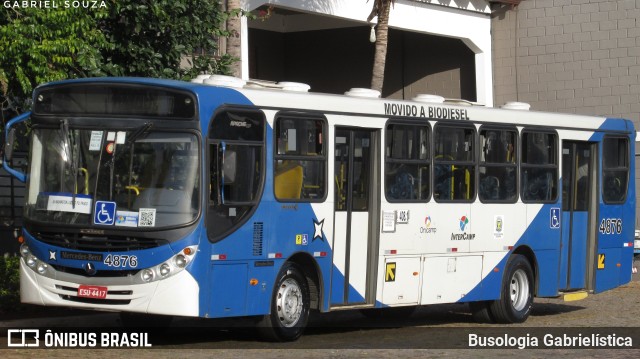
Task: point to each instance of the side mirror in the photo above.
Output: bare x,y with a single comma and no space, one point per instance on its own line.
222,149
10,138
225,170
229,166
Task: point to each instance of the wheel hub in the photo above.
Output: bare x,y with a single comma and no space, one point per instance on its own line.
289,303
519,290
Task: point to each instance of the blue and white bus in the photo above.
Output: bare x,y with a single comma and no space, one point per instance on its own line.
227,199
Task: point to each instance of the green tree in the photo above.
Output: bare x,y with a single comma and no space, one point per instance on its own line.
234,41
151,38
41,45
9,283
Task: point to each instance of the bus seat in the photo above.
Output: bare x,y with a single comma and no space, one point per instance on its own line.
288,183
539,188
490,188
442,181
403,187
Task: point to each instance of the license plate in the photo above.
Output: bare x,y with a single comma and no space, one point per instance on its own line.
92,291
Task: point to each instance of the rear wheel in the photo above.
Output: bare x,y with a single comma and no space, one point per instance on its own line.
516,299
480,311
289,306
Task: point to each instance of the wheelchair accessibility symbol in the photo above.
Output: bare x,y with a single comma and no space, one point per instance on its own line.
554,216
105,213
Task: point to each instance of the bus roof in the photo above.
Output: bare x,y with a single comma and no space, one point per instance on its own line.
368,106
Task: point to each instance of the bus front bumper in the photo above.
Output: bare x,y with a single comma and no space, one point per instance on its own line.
175,295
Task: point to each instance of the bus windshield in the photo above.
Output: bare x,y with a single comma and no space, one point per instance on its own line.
136,178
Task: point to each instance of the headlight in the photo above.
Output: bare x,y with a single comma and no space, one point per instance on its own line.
172,266
24,250
165,269
147,275
181,261
31,261
42,267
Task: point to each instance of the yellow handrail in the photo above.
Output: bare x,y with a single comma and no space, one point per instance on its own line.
133,188
86,181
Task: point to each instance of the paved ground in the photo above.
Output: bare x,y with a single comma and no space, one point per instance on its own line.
422,335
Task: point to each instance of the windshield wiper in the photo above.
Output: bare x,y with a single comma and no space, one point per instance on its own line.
141,132
69,146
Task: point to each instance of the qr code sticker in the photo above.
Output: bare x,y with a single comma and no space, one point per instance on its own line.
147,217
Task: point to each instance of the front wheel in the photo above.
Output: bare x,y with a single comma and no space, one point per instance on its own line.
516,297
289,306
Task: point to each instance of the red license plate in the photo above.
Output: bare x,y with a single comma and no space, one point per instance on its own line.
92,291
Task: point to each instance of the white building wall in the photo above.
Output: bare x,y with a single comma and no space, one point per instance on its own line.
571,56
467,20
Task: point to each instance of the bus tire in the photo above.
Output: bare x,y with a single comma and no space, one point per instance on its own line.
481,312
289,306
516,297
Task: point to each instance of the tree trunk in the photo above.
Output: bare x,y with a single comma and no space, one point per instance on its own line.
380,55
234,41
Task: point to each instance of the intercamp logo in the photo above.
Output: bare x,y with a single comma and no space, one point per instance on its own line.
463,222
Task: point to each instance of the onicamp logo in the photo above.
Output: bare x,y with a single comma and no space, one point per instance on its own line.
463,222
428,228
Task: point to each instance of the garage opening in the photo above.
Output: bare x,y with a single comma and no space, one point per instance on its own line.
333,55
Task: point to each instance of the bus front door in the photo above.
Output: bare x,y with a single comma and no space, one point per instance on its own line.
355,178
577,253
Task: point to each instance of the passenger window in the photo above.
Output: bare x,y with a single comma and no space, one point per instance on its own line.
539,168
615,163
498,166
300,159
236,169
407,163
454,169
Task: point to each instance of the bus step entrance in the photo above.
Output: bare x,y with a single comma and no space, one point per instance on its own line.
573,296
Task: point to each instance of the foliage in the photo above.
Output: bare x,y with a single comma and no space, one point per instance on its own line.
9,283
42,45
151,37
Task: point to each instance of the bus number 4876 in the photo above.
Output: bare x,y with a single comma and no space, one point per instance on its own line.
611,226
